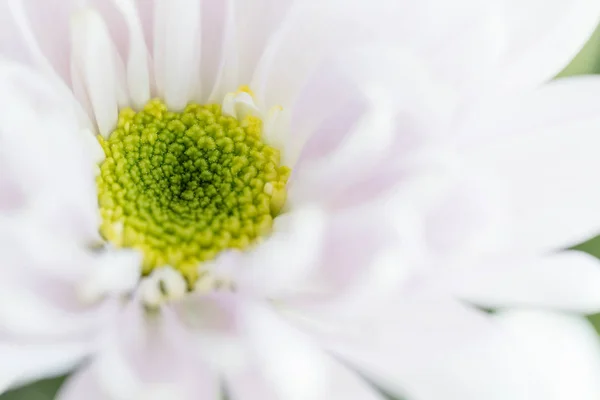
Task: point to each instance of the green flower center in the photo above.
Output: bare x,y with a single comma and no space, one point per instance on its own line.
182,187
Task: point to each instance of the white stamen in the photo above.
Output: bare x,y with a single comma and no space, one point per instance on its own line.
150,293
268,189
275,128
162,285
171,282
95,57
138,74
205,284
239,105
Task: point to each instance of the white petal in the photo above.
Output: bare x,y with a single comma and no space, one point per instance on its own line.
569,281
25,313
115,272
256,22
543,151
138,74
342,383
286,258
43,151
283,354
388,128
47,44
95,59
177,50
149,356
429,349
460,41
292,52
543,37
21,363
227,75
564,352
365,259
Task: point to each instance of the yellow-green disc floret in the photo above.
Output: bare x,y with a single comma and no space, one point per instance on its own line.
182,187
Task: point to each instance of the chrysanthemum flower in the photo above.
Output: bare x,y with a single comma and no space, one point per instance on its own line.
294,199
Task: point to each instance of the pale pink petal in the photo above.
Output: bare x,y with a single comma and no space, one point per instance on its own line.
543,37
543,152
467,219
568,281
146,356
82,385
283,354
563,352
47,43
389,130
38,126
356,269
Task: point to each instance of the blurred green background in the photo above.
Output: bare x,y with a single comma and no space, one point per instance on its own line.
587,62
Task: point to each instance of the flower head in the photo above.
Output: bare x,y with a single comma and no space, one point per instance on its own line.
231,194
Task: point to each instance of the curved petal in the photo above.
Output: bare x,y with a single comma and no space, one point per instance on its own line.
543,150
342,383
82,385
282,261
543,37
413,341
44,152
147,356
22,363
283,354
564,352
400,111
569,281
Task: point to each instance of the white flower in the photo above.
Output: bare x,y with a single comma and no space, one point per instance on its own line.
420,180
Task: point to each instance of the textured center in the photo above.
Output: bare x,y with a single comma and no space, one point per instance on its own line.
182,187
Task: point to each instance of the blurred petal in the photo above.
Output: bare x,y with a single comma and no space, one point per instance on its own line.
38,126
342,383
543,37
118,273
22,363
422,338
82,385
543,151
564,352
566,281
283,260
283,354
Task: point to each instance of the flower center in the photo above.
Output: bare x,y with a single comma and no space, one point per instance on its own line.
182,187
